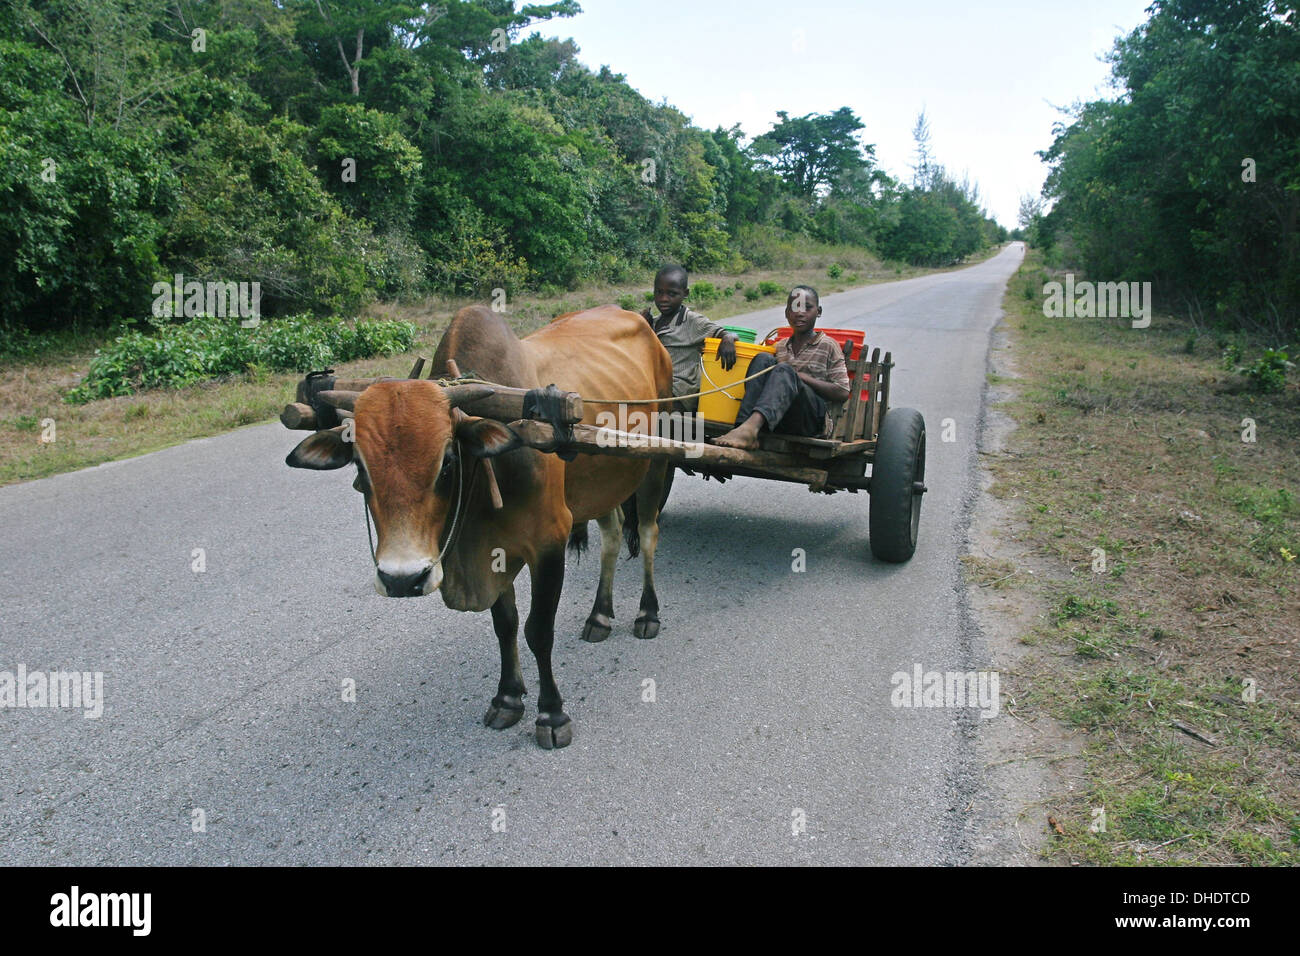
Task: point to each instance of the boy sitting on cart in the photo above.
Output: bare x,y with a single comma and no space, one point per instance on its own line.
808,381
683,331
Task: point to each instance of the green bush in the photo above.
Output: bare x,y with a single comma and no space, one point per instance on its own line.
377,338
175,355
395,266
765,247
19,342
628,301
835,270
473,258
752,294
704,294
1268,372
768,287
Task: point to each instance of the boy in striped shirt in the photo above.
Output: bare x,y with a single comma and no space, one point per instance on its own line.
808,381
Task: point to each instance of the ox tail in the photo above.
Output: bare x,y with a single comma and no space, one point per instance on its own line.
578,539
631,527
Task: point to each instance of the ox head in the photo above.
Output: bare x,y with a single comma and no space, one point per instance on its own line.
413,448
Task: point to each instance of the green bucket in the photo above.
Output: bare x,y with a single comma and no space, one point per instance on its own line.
742,333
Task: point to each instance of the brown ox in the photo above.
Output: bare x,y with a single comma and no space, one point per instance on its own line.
418,462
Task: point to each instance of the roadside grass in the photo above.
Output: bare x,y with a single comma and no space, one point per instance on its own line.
1169,547
35,373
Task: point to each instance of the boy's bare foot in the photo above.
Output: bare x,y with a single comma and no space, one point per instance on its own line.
742,436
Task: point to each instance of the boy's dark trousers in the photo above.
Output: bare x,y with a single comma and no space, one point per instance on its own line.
787,405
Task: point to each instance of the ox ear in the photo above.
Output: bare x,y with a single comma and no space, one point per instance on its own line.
486,438
321,451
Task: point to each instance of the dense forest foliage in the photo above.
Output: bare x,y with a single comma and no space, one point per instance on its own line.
1191,178
340,150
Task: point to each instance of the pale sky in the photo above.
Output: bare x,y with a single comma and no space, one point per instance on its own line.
989,77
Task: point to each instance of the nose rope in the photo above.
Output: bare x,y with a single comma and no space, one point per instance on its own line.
370,534
460,503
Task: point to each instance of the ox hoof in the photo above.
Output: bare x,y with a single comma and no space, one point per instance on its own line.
503,712
554,731
597,629
646,627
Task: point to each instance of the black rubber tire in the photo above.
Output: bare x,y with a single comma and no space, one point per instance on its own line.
895,502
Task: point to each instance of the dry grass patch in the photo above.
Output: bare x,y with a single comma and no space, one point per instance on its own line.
1174,597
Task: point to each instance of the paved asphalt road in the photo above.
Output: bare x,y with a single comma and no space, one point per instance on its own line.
222,688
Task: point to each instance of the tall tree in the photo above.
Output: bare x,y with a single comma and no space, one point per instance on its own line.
923,167
810,152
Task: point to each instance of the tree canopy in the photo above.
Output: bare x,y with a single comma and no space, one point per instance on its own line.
340,150
1191,178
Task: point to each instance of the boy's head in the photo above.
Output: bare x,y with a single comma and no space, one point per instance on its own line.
670,289
803,308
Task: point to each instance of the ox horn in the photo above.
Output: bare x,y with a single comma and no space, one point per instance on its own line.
340,399
459,395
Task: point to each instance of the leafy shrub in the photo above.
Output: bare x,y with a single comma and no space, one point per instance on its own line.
764,247
728,292
175,355
20,342
704,294
628,301
768,287
395,266
378,338
752,294
835,270
1268,372
473,258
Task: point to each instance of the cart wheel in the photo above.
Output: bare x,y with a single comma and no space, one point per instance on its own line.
897,484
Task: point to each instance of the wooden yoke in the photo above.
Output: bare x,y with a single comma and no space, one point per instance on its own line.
503,404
